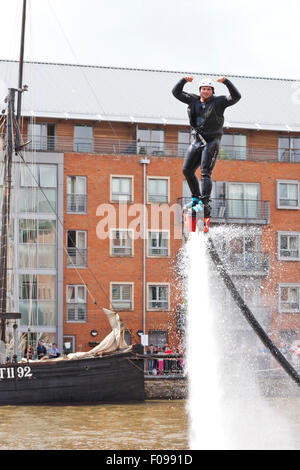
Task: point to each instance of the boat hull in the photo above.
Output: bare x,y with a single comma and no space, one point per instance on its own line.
115,378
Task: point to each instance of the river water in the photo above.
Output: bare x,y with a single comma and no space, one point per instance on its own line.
151,425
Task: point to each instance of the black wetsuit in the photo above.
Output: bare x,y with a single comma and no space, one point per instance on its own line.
206,119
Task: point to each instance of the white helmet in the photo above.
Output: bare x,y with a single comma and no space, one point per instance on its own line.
206,81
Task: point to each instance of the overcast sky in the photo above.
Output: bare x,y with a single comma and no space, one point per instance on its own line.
256,37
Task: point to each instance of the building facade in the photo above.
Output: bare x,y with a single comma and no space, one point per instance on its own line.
104,228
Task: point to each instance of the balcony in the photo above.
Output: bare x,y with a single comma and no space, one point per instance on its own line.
108,146
77,257
237,211
76,203
76,312
260,312
248,263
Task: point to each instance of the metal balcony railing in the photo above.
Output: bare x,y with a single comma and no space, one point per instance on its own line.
171,149
77,257
247,263
262,314
76,202
240,211
76,312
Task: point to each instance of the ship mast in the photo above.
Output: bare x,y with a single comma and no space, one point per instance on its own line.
11,145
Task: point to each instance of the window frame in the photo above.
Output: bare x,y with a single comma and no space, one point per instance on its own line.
40,142
291,182
149,255
84,195
111,240
289,286
153,147
122,283
281,257
158,284
165,178
182,146
76,302
290,150
85,140
77,249
131,200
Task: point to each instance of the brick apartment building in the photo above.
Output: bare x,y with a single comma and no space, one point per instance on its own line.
104,141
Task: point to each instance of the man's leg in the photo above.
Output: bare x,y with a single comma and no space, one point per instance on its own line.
209,158
192,161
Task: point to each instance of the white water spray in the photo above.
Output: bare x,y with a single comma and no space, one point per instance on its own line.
226,408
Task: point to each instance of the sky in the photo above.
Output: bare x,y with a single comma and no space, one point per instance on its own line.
258,38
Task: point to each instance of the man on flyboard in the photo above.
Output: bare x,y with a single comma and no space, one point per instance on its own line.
206,120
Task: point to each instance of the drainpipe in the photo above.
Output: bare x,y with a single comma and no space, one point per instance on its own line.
144,162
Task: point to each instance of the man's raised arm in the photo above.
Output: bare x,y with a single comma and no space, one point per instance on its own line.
178,90
234,96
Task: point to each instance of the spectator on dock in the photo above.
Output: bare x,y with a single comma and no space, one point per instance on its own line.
41,350
53,351
167,350
160,362
28,353
150,361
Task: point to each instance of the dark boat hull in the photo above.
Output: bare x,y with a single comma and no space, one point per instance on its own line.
116,378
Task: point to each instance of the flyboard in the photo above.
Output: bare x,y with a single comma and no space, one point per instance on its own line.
193,222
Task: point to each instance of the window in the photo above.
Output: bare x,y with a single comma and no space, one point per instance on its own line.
288,246
243,253
128,337
76,194
83,139
287,195
76,248
121,189
244,200
183,142
42,136
37,299
234,146
158,338
158,243
37,243
158,189
69,344
42,175
33,199
76,303
289,298
289,149
150,141
158,297
121,242
121,296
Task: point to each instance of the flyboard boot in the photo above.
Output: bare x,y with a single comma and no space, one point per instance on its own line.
207,211
193,215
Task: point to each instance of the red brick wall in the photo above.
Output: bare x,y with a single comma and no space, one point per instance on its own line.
105,268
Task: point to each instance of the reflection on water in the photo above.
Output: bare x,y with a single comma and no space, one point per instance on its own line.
150,425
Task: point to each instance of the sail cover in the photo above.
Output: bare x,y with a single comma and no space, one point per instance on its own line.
112,342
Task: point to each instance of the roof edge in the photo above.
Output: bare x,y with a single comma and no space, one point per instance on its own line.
137,69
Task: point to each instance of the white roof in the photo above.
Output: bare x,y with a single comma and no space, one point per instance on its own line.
144,96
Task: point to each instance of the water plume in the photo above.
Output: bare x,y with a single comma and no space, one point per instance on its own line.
226,407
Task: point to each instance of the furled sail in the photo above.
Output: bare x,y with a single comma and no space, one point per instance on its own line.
114,341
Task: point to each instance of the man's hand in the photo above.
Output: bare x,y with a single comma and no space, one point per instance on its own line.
188,78
221,79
